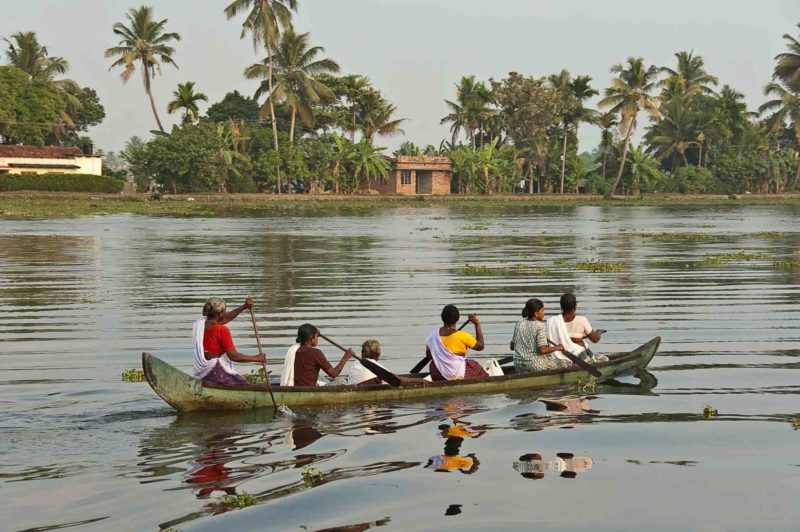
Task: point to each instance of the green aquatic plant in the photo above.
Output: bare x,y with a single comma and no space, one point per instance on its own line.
560,262
709,412
476,227
241,500
774,235
678,237
483,270
587,385
311,476
256,376
796,423
594,265
133,375
542,271
786,265
424,228
725,258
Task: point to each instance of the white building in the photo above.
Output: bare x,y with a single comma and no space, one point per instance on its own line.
31,160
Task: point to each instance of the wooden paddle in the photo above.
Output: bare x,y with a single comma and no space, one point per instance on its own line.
384,374
427,357
579,362
263,364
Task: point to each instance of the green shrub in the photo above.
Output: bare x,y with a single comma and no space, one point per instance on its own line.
697,180
55,182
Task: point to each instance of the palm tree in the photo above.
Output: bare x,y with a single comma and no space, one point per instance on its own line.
471,109
295,65
26,54
606,122
264,20
670,137
375,117
788,63
143,41
573,93
342,152
628,94
354,88
690,78
185,98
643,168
785,108
368,164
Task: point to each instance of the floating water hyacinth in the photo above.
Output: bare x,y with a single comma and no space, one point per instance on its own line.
594,265
786,265
667,237
769,234
724,258
241,500
311,476
133,375
587,385
709,412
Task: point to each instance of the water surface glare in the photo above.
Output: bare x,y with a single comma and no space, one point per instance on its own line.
83,297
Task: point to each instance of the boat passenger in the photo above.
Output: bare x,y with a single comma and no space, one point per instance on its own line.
569,329
308,360
214,352
360,375
448,348
529,342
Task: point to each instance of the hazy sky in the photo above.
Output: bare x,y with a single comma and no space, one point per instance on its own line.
415,50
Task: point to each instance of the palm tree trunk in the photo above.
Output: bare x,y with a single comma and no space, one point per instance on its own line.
291,127
564,161
605,157
274,123
622,161
353,131
150,95
336,176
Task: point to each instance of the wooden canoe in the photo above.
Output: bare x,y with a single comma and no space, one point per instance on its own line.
185,393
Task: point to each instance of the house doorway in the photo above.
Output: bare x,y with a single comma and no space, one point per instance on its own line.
424,182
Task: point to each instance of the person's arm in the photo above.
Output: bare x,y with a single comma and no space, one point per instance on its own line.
248,304
334,372
594,336
236,356
478,332
547,349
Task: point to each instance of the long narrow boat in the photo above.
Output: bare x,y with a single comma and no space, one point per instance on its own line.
185,393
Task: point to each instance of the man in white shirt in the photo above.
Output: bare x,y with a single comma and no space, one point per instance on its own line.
578,327
371,349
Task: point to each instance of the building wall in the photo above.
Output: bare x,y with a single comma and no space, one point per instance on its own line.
78,165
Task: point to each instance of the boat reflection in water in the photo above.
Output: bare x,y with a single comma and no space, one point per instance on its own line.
567,465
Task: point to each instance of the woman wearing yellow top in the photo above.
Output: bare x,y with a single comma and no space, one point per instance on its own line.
448,348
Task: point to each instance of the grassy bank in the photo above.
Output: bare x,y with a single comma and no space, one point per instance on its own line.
48,205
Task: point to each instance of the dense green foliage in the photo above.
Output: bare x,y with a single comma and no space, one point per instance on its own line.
55,182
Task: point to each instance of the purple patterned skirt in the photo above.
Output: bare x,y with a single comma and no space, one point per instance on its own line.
222,377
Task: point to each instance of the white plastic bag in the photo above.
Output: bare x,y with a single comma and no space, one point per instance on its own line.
492,367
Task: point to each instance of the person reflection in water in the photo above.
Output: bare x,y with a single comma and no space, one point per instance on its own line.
452,461
210,471
566,464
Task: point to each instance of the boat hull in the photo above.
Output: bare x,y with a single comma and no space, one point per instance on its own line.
185,393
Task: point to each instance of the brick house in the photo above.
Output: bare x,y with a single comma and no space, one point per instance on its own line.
45,159
412,175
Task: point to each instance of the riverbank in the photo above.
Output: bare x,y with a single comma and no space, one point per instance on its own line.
66,204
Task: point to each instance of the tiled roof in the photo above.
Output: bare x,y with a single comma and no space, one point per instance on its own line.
40,152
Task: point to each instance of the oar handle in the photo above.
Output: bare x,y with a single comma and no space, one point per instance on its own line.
331,342
263,364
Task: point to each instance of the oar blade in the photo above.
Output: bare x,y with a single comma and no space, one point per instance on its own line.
384,374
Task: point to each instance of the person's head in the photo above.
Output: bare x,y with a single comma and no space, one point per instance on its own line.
533,309
214,309
450,315
371,349
307,334
568,303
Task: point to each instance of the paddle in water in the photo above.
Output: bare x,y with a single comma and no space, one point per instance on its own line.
427,357
283,409
579,362
383,374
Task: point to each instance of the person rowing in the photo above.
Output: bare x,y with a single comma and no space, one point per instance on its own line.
214,351
308,360
570,330
448,348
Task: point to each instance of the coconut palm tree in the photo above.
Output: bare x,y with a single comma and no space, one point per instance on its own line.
264,20
606,122
471,110
670,137
342,152
375,117
295,65
784,109
787,67
143,42
688,79
26,54
354,88
628,94
185,98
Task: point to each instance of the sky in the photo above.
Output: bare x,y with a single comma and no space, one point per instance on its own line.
414,51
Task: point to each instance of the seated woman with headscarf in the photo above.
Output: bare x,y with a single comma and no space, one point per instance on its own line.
214,352
448,348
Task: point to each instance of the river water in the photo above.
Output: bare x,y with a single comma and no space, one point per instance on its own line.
82,298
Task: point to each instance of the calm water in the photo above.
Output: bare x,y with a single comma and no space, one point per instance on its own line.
82,298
